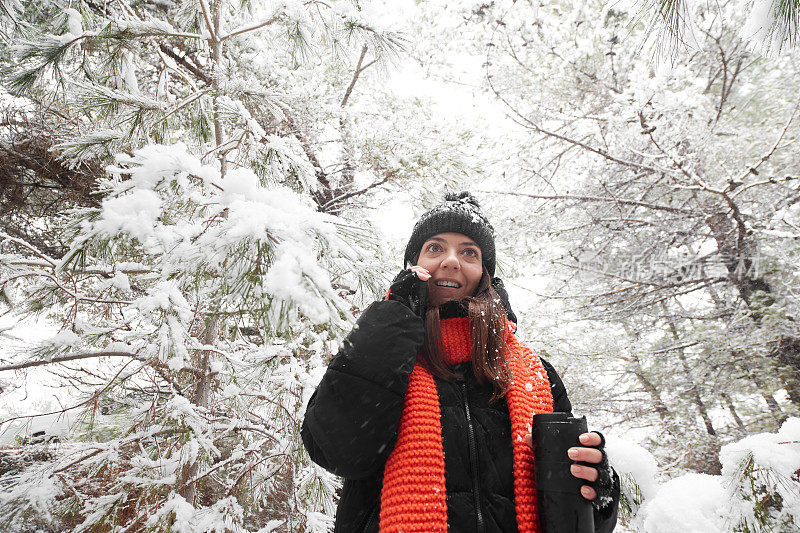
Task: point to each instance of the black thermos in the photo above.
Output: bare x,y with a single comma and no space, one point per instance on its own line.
562,509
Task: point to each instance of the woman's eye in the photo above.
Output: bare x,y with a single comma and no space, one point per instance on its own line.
470,251
433,247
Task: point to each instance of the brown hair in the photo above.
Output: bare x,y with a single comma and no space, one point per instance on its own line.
487,329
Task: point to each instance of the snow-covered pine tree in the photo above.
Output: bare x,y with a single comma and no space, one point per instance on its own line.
224,77
198,308
202,294
770,27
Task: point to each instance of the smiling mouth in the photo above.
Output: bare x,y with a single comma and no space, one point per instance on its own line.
448,284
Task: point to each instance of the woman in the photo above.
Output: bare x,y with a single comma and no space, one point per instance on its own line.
426,409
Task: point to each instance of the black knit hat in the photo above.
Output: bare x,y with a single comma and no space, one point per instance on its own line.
459,213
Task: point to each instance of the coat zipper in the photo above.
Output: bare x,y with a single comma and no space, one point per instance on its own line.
473,458
370,519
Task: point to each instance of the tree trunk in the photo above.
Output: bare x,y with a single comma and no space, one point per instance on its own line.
644,381
693,390
687,371
651,389
774,408
787,352
737,250
734,414
200,398
202,391
216,50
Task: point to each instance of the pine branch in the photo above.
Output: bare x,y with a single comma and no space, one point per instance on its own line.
355,76
100,96
764,158
254,27
184,62
10,12
338,200
49,260
80,148
253,448
787,19
47,51
623,201
91,399
207,17
123,30
63,358
121,442
188,100
74,295
670,11
386,44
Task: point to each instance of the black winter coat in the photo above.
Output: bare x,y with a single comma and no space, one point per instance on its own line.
350,428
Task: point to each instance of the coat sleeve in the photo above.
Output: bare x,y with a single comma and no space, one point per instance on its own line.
350,425
561,403
605,518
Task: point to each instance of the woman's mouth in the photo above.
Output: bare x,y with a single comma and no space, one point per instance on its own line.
448,284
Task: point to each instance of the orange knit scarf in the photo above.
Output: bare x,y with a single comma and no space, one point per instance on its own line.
413,498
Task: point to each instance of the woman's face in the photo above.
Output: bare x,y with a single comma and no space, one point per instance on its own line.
455,265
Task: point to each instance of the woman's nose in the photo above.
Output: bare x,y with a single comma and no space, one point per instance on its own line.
451,261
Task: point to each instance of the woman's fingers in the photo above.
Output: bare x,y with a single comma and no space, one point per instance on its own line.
422,273
588,473
590,439
584,472
587,455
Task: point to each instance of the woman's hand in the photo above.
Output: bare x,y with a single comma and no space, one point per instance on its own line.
585,455
408,288
422,273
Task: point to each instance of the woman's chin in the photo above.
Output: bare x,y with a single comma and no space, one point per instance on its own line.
436,302
448,296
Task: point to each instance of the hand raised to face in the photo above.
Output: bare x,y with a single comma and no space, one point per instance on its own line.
410,289
422,273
